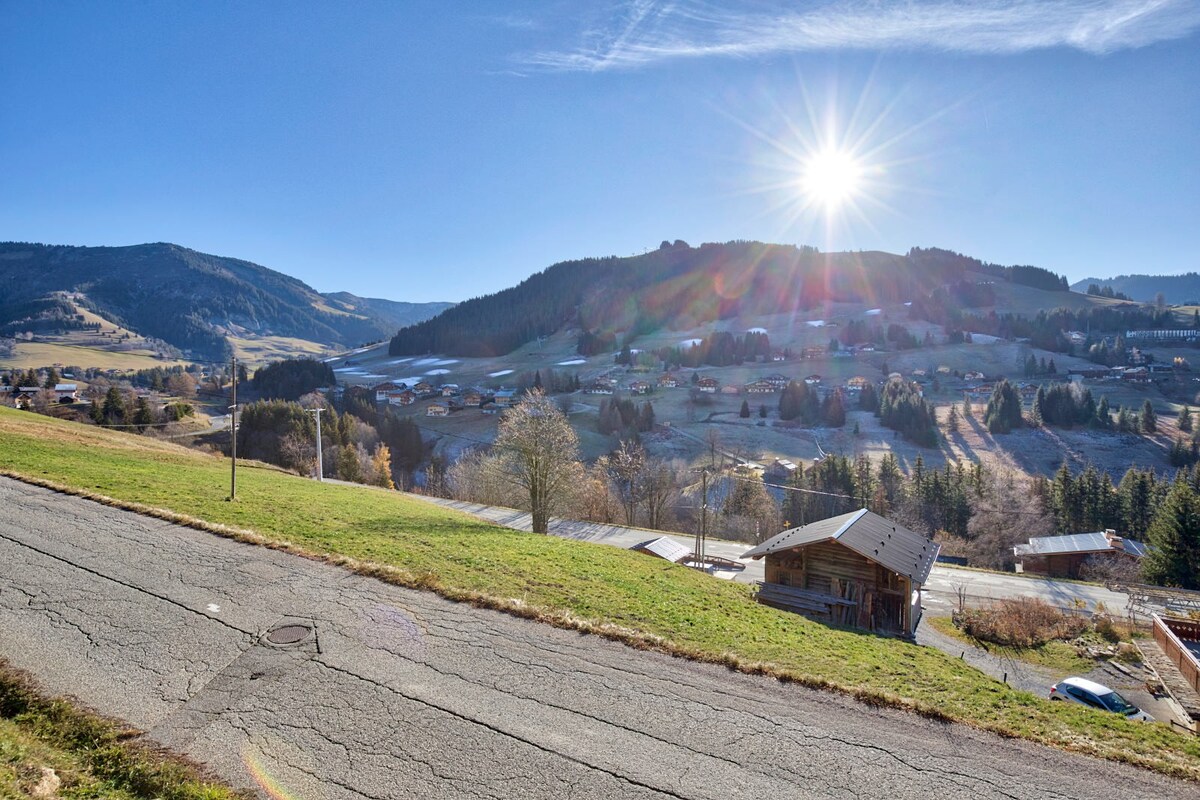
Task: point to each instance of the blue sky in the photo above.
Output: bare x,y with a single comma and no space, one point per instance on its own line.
433,151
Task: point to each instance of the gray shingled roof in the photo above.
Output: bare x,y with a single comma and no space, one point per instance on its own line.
1095,542
866,533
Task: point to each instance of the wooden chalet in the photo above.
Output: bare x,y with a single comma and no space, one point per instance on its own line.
760,387
66,392
24,395
776,380
472,398
449,390
1063,556
437,410
858,569
424,388
505,398
382,390
979,394
1136,375
668,381
857,383
639,387
708,385
403,398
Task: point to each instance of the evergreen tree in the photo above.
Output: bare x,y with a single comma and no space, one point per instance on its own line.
1039,407
1103,418
952,420
114,406
1148,422
349,468
1003,409
1184,420
762,411
1174,537
51,379
142,415
868,399
645,422
833,410
745,411
1137,502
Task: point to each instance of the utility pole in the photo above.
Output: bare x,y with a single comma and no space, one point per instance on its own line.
233,427
320,462
703,530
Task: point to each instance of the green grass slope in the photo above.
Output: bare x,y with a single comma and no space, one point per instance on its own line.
595,588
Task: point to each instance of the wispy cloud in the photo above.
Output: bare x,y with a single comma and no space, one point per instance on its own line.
644,32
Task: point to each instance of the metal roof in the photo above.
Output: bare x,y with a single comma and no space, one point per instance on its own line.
866,533
664,547
1095,542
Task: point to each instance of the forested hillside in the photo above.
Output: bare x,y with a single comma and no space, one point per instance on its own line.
1177,289
190,300
613,300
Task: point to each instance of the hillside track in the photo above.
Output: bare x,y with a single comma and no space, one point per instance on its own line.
396,693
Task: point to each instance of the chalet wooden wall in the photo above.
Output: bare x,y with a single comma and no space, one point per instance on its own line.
830,568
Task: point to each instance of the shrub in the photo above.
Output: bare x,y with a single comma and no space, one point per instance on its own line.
1107,629
1021,622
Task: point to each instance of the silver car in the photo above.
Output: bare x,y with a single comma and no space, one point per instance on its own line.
1097,695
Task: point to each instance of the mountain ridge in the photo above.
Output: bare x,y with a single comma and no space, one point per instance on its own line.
192,301
611,299
1176,289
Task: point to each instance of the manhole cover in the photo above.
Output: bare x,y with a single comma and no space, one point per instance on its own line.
289,634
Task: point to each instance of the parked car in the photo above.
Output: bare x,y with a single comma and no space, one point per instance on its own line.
1096,695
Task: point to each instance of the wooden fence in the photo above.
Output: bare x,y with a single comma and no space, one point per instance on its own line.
1169,634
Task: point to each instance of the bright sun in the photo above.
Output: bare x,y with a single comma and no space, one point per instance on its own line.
830,177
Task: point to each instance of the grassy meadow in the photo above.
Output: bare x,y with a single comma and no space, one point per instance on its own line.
594,588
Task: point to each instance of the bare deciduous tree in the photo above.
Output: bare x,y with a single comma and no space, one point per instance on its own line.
595,498
659,486
626,465
1007,515
182,385
540,453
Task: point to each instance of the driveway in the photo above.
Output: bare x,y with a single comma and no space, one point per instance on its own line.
392,693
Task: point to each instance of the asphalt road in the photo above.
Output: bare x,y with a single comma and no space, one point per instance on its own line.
402,694
940,594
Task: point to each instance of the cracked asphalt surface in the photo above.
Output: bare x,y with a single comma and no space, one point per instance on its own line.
399,693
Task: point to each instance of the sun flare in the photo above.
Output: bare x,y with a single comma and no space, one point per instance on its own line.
830,178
